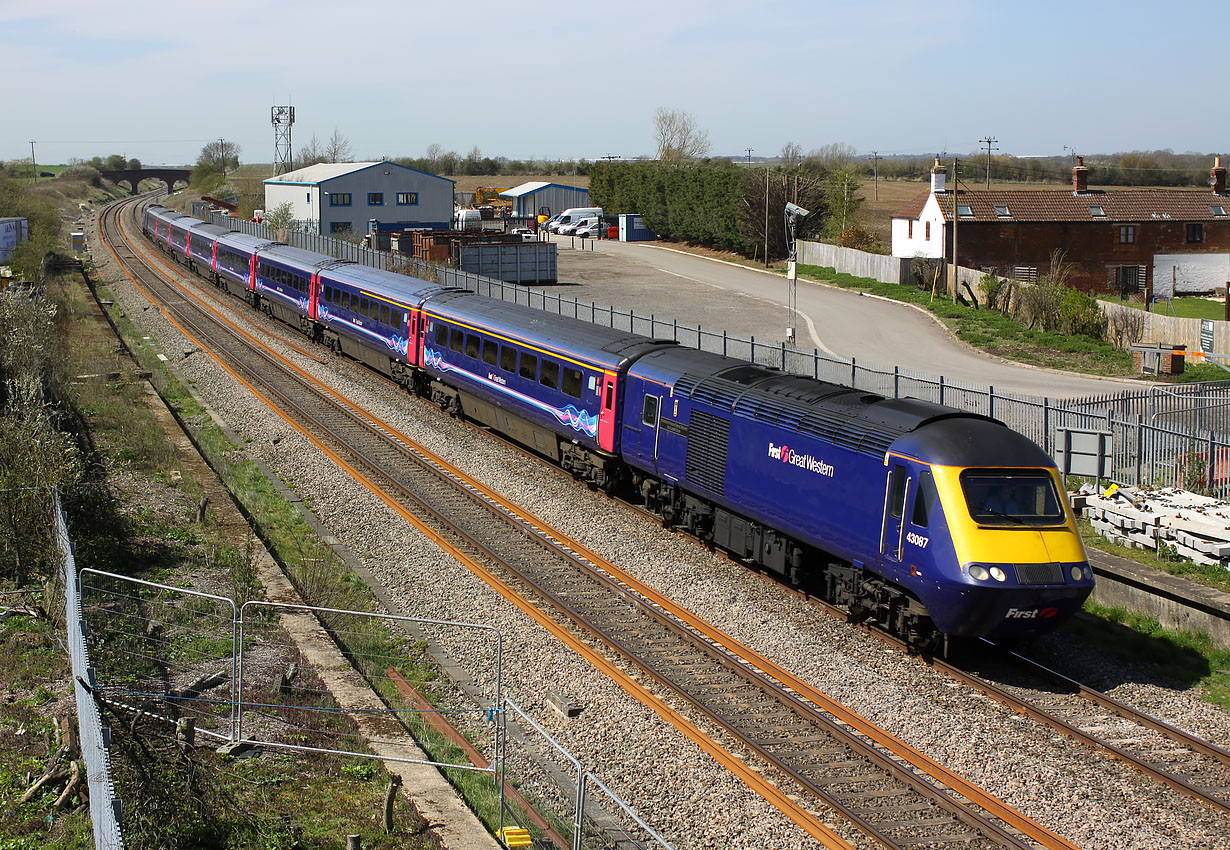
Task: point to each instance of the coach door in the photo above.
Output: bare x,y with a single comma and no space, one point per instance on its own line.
896,494
651,412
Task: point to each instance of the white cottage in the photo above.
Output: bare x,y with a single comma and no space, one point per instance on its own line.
359,197
918,230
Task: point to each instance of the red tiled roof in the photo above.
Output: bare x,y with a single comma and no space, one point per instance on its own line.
1064,205
915,207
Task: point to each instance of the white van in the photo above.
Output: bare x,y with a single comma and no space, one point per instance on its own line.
573,216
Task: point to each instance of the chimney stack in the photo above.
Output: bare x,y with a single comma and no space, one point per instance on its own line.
1218,175
1080,177
939,175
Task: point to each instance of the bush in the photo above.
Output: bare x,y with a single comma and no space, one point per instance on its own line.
84,173
1079,315
992,288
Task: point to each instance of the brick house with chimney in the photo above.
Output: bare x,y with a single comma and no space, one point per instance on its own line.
1142,242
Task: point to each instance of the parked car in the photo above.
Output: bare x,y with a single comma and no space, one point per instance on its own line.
571,229
589,229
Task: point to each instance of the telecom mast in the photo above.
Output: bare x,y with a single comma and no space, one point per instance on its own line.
282,118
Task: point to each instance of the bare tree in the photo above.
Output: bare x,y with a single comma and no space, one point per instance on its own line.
791,155
338,148
679,139
310,154
832,157
433,154
222,155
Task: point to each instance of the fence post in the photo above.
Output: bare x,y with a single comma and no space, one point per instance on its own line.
1046,422
1140,448
815,363
941,389
783,355
853,372
896,382
991,401
1208,466
723,343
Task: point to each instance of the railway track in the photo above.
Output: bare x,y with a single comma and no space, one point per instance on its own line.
829,757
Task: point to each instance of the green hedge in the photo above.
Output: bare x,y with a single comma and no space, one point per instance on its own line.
693,203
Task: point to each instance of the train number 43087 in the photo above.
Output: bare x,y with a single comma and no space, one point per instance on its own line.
917,540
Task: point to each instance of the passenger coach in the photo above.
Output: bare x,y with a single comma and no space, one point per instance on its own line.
546,381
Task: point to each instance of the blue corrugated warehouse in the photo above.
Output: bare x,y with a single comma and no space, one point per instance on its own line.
539,198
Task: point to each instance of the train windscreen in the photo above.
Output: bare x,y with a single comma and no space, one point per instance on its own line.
1012,497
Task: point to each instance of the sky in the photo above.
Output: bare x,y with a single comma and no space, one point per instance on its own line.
565,80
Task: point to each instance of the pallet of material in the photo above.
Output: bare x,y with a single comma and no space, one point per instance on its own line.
1194,526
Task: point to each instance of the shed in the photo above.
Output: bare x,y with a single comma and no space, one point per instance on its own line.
539,198
346,197
13,231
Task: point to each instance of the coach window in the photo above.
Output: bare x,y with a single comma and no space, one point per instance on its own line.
529,367
508,359
649,413
456,340
441,335
345,300
491,352
572,383
925,499
472,346
384,314
548,375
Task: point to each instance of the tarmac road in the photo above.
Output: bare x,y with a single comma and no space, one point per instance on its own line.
745,301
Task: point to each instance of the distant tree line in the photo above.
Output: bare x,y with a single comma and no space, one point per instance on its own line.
1134,168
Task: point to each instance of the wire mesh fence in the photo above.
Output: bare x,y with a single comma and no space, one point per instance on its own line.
271,675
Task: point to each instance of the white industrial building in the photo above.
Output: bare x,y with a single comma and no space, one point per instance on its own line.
347,197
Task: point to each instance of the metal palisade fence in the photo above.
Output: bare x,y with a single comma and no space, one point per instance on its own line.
1171,435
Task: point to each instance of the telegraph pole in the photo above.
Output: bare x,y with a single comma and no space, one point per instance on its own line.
988,141
33,163
749,155
955,215
875,160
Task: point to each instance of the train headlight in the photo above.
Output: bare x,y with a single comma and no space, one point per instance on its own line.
1088,572
998,574
978,571
1076,572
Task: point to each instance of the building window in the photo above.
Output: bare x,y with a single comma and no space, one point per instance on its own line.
909,233
375,199
1127,280
1195,232
309,197
928,236
1127,234
1025,274
407,199
339,227
339,199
